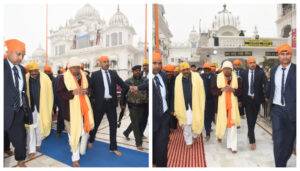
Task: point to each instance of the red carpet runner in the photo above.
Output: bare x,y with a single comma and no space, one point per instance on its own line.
180,156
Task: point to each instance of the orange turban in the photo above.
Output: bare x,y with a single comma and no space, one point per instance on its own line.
26,68
206,65
237,61
15,45
251,59
213,68
102,58
82,66
47,68
4,56
170,68
156,57
176,69
284,47
63,70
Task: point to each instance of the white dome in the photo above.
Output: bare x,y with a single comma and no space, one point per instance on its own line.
193,36
118,19
39,52
225,18
87,11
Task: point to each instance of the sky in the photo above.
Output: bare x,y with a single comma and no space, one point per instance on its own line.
182,17
27,22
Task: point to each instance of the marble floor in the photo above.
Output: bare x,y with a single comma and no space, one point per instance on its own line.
41,160
217,155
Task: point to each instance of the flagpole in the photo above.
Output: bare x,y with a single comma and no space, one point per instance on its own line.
46,34
156,28
146,32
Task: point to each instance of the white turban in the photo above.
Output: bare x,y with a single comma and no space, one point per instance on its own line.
227,64
74,61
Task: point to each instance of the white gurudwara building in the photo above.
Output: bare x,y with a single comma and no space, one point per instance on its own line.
88,37
225,40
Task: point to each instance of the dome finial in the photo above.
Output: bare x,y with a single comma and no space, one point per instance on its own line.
118,8
224,6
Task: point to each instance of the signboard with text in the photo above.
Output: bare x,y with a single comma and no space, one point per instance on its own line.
258,43
240,53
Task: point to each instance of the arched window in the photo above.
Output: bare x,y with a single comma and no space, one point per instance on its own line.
114,39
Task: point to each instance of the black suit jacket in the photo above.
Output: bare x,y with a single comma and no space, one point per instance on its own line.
97,86
10,96
260,85
157,104
290,92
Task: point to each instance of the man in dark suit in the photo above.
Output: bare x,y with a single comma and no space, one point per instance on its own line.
282,95
104,83
16,114
160,113
239,72
254,82
209,114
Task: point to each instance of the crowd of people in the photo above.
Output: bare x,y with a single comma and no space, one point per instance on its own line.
33,97
194,98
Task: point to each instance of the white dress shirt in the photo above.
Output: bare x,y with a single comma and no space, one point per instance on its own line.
21,80
163,91
106,88
249,81
278,79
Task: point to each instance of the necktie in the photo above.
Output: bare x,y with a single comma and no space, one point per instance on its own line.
17,100
108,81
282,87
252,83
158,85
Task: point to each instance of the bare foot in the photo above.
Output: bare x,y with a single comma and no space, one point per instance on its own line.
238,127
90,145
118,153
219,140
207,138
127,138
253,146
243,116
154,165
140,148
211,130
9,152
188,146
144,137
38,148
195,140
234,152
76,164
31,154
21,164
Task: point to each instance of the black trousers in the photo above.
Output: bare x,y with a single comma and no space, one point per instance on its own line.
284,135
17,135
209,115
160,142
144,121
60,120
111,113
6,142
252,110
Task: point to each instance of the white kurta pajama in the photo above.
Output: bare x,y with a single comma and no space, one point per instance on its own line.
34,137
232,138
187,128
81,148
